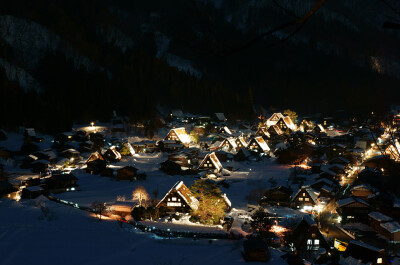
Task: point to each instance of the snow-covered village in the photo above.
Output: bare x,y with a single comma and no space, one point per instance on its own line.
283,190
199,132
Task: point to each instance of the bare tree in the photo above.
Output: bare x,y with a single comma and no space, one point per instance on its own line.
140,194
99,208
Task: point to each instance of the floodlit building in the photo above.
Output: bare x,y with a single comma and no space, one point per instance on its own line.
179,135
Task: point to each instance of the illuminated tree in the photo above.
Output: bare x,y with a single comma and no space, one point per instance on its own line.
292,114
194,137
140,194
211,208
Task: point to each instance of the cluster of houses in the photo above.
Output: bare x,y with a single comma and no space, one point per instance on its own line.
335,172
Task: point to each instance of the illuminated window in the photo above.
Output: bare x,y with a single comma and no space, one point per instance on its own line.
316,242
174,199
301,199
174,204
306,199
379,260
304,194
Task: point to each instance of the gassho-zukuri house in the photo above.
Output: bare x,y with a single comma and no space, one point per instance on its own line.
179,135
179,199
211,162
284,122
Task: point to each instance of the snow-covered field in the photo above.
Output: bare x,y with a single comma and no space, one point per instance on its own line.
71,236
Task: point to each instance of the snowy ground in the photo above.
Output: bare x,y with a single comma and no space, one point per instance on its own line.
74,237
71,236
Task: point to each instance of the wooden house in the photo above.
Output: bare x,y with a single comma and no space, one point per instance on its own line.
184,159
307,238
179,199
71,154
255,249
112,154
7,190
339,160
242,155
61,181
40,166
391,230
225,131
305,198
229,144
285,123
393,150
263,132
335,150
353,209
279,196
275,131
362,191
219,117
96,166
317,185
210,162
32,192
241,142
179,135
376,219
258,145
171,167
318,129
127,173
306,125
94,156
30,134
361,253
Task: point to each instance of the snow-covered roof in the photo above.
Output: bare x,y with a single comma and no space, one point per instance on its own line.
30,132
229,140
326,188
182,134
185,193
227,201
71,150
350,200
242,140
391,227
227,130
340,158
324,180
220,116
114,150
379,217
34,188
311,192
362,187
260,141
214,159
364,245
273,120
177,113
308,219
263,131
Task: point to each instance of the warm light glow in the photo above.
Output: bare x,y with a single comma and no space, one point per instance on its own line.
278,230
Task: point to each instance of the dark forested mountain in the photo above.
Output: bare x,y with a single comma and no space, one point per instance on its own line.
64,61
